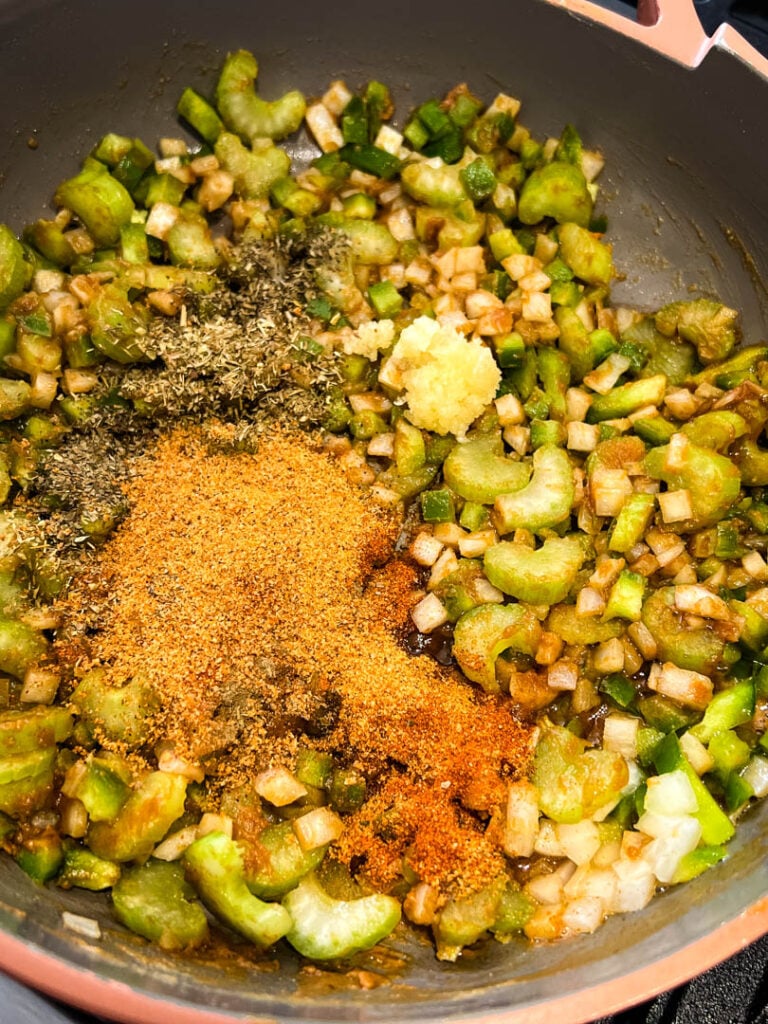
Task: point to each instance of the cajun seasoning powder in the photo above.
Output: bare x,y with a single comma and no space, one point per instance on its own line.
259,594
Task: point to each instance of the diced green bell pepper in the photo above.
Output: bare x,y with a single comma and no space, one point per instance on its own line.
716,828
101,790
727,709
346,790
437,506
40,856
460,590
697,862
385,298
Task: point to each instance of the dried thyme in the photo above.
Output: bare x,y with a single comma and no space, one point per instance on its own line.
240,354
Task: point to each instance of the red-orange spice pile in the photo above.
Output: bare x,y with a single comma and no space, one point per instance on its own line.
257,591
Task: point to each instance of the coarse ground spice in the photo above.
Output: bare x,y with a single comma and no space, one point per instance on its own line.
259,595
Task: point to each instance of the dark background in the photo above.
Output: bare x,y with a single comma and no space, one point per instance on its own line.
736,992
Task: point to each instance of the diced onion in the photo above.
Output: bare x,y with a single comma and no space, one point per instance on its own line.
317,828
429,613
279,786
88,927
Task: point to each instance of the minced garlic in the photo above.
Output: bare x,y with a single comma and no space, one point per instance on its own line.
369,339
447,380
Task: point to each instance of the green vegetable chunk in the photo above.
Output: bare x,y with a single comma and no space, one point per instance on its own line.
327,929
13,267
143,821
32,729
275,863
254,171
716,828
627,398
114,712
632,521
200,114
708,325
116,324
435,186
214,866
246,113
462,922
588,258
190,244
100,201
156,902
84,870
478,470
20,647
699,650
727,709
557,190
101,790
40,856
716,430
546,501
482,634
574,782
542,576
580,629
713,481
15,398
371,243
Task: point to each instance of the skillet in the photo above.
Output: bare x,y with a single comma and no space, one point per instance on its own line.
679,119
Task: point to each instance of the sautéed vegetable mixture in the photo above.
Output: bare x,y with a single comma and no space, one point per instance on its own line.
359,561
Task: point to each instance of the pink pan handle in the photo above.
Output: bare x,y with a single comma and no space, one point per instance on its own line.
671,27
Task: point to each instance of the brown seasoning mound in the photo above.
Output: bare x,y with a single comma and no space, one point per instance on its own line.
259,594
